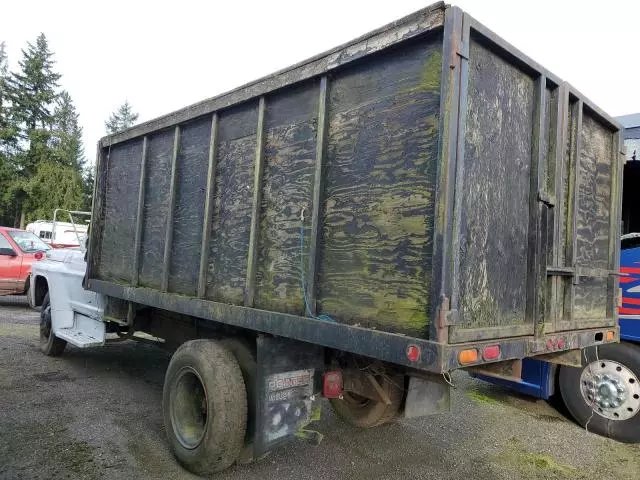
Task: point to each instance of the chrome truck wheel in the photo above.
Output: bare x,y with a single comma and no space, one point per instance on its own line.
611,388
604,395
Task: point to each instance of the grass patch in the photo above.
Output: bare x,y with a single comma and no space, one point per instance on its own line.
535,465
479,397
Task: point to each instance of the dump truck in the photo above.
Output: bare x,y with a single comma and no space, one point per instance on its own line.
422,199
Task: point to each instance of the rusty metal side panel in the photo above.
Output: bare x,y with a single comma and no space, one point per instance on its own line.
379,189
232,204
586,268
494,190
188,219
289,162
120,172
156,208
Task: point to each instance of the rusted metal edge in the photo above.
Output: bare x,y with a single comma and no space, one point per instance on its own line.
250,288
411,26
168,239
208,199
316,229
445,175
137,242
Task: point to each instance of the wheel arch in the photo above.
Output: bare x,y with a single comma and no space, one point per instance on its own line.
41,288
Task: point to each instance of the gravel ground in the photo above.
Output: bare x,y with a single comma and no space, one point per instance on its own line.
96,413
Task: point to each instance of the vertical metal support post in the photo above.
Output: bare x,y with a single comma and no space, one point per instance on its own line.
451,95
559,244
321,139
617,165
463,53
168,239
208,200
574,199
536,173
250,288
562,167
137,242
97,207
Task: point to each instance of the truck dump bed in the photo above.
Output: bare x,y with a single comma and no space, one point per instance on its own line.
426,184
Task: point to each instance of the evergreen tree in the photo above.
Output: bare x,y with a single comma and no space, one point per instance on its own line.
34,87
8,145
32,93
42,162
67,134
8,131
88,188
124,117
53,186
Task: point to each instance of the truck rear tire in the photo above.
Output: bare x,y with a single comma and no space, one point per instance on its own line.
50,345
604,395
246,358
205,406
364,412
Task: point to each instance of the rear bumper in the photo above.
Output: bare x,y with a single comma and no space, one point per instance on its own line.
523,347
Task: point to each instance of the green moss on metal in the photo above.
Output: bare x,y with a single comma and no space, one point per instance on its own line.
432,72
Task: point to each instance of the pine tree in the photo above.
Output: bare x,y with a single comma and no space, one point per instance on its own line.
32,93
88,188
53,186
66,138
8,145
124,117
34,87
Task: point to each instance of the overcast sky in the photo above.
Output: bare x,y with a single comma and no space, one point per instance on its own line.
162,56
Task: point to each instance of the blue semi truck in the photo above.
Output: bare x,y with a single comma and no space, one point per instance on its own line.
605,391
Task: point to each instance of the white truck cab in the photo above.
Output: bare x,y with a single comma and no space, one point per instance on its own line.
69,313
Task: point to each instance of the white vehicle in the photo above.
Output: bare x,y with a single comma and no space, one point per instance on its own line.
56,285
60,234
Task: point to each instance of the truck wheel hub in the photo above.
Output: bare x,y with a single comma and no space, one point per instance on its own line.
610,389
189,409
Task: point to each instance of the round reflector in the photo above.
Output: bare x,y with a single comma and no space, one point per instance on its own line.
413,353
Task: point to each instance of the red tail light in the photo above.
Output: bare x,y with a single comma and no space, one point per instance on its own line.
39,256
332,384
413,353
492,352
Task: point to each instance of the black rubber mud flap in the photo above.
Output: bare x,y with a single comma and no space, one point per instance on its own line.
289,376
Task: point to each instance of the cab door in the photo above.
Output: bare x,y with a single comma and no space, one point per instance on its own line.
10,263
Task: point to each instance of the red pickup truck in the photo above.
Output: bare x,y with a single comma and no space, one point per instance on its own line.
18,250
